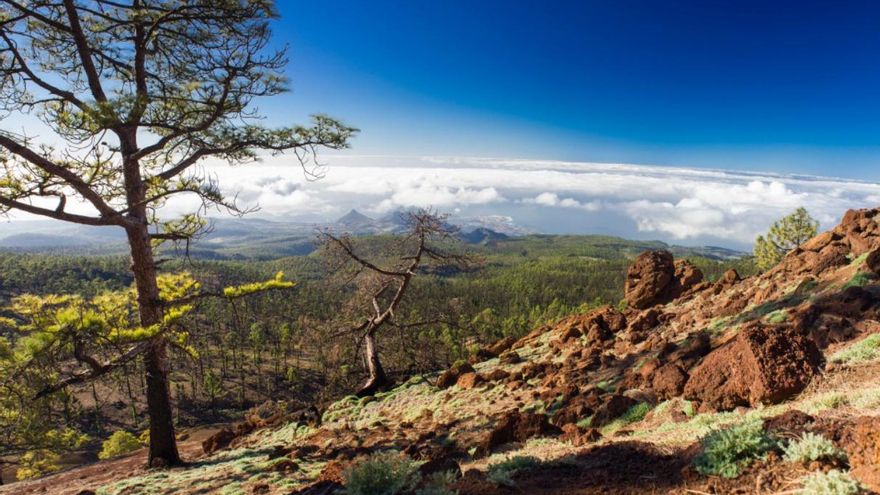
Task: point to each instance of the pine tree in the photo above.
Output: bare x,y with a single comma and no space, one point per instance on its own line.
132,95
784,235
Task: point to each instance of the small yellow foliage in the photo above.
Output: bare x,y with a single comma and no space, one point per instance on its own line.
36,463
276,282
120,443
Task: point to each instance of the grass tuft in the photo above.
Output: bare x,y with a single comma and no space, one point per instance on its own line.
632,415
867,349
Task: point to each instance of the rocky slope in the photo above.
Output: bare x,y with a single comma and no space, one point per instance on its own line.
606,402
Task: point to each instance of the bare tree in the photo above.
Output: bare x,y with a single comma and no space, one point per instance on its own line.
133,95
381,284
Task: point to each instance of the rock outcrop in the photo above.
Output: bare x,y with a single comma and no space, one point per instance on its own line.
647,278
656,278
761,365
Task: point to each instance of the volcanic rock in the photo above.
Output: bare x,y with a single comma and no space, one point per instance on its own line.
647,278
761,365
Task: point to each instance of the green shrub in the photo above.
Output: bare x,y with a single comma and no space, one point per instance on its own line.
811,447
833,482
860,279
438,484
502,473
632,415
725,452
866,349
777,317
607,386
384,473
120,443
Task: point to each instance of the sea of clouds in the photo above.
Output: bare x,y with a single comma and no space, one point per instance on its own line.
693,206
687,205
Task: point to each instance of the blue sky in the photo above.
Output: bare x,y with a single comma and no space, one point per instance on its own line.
791,87
695,122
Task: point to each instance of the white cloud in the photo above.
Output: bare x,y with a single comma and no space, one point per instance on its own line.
675,203
426,195
552,199
671,203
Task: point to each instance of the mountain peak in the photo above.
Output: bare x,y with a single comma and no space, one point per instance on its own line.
354,217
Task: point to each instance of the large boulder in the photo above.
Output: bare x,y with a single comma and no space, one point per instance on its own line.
860,230
761,365
656,278
647,278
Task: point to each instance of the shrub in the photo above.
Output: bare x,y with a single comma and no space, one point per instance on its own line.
860,279
833,400
777,317
811,447
502,473
120,443
632,415
36,463
384,473
833,482
725,452
438,484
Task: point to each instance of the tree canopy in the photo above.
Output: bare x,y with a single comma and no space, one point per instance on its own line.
784,235
132,96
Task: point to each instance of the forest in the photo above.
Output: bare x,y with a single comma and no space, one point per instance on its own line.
273,345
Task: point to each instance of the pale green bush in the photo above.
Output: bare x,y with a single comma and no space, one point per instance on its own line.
811,447
725,452
384,473
833,482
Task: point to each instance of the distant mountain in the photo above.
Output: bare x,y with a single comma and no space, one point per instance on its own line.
356,221
496,223
483,236
39,240
711,252
256,238
396,221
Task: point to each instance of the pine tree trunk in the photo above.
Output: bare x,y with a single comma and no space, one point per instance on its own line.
378,380
163,446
